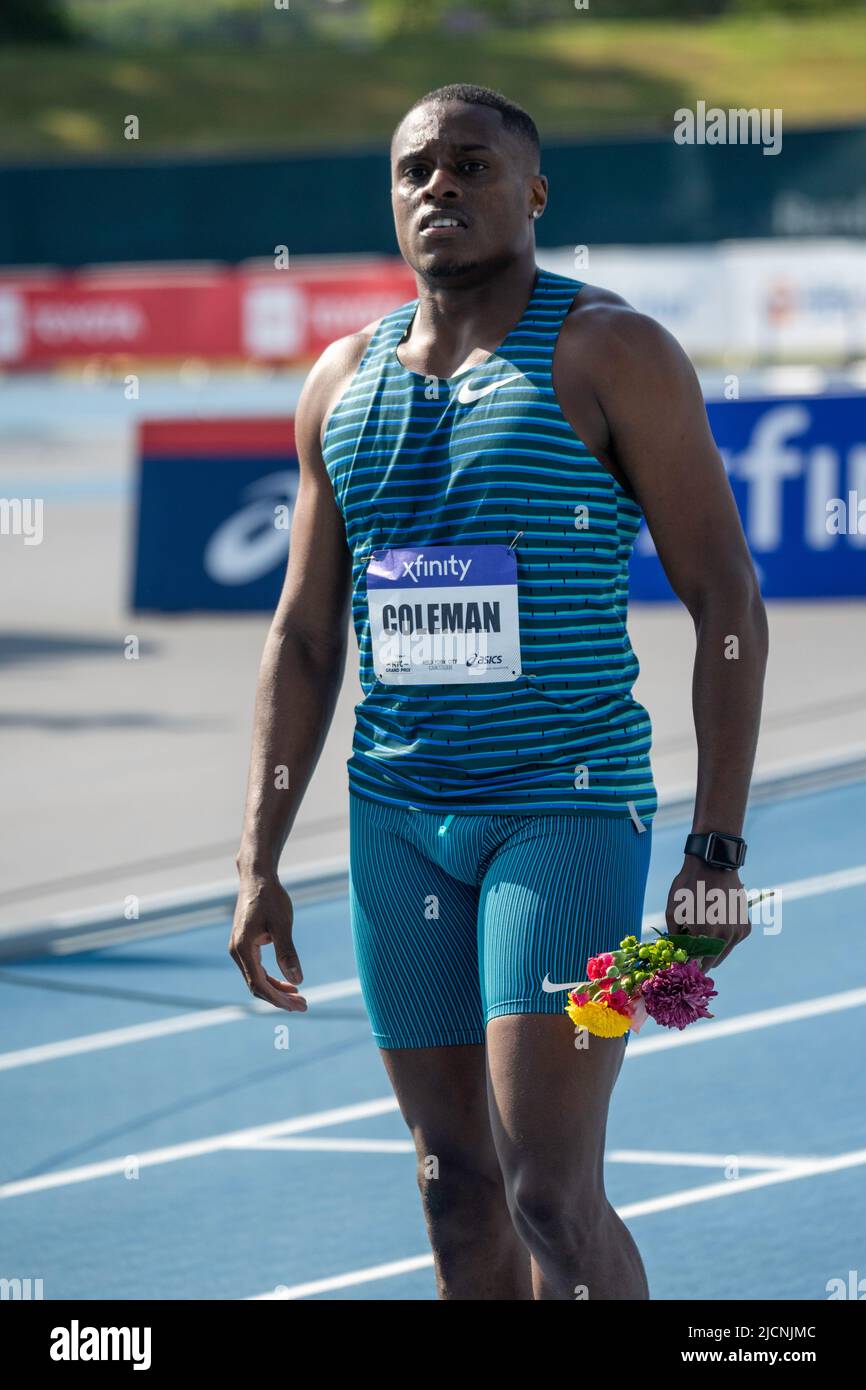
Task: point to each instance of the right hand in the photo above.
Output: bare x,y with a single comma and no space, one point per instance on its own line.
264,914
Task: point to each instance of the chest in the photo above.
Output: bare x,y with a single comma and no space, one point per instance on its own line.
423,448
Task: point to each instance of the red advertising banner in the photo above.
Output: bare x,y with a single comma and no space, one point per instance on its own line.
296,314
231,314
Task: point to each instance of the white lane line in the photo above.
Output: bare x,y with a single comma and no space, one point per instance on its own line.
732,1188
787,1013
343,1114
164,1027
658,1041
345,1281
663,1038
342,989
675,1158
116,1037
358,1146
671,1158
835,882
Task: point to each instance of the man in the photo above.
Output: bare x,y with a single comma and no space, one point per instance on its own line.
474,469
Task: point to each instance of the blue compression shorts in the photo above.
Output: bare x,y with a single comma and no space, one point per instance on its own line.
459,919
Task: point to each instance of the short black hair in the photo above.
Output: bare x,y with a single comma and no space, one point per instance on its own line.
514,117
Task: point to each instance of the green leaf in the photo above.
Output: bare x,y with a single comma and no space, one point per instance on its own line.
698,945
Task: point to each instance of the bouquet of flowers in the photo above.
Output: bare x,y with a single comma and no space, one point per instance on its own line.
659,979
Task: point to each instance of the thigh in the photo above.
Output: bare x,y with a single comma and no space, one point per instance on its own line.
548,1103
558,889
414,930
443,1098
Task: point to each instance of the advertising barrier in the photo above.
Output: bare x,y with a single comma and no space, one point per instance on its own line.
216,499
730,302
797,468
248,314
780,300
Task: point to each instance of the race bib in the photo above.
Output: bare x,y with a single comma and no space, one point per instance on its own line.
444,615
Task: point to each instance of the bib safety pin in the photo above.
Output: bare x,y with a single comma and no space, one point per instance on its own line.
516,539
445,824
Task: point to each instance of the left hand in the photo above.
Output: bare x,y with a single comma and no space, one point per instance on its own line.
729,917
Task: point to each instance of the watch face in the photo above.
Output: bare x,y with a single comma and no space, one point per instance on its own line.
724,853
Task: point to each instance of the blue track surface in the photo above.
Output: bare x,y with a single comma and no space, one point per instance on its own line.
237,1222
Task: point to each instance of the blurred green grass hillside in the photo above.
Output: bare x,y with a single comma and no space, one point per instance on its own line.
230,74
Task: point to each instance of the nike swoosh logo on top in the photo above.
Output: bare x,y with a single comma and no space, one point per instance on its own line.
466,395
550,988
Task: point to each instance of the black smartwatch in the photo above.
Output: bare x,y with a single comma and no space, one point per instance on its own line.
717,850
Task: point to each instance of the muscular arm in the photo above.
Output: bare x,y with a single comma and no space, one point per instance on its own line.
660,435
304,655
652,429
298,685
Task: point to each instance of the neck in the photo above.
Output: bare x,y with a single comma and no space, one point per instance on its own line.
453,322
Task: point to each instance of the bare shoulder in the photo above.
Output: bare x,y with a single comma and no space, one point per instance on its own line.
327,380
617,334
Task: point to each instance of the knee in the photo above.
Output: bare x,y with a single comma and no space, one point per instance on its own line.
453,1183
549,1213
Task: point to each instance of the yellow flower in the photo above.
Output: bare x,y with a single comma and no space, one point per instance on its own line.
599,1019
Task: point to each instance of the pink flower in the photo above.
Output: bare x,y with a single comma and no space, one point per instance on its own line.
619,1000
597,966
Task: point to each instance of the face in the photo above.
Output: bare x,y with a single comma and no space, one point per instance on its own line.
463,191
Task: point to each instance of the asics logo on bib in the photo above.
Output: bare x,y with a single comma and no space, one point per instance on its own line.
413,569
466,395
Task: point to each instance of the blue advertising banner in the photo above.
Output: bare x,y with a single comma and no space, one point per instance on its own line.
214,514
797,468
216,500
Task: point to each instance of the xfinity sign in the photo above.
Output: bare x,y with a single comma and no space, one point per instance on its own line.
798,473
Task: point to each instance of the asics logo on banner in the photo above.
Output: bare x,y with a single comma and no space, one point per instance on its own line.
249,543
550,988
414,569
466,395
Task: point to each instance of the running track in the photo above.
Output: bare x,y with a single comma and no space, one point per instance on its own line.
160,1145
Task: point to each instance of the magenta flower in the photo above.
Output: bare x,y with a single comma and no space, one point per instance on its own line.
619,1000
678,995
597,966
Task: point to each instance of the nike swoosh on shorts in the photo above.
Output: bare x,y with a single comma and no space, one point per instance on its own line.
550,988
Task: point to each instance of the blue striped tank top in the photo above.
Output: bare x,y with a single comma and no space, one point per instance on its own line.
413,465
